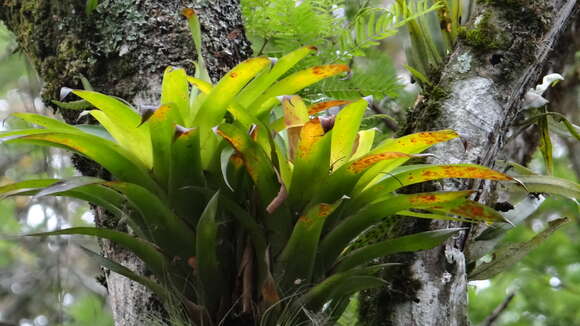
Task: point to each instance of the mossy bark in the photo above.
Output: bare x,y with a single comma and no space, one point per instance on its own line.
122,48
483,83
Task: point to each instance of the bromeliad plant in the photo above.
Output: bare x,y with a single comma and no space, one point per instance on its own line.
238,212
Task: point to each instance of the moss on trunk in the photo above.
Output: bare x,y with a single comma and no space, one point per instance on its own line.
122,48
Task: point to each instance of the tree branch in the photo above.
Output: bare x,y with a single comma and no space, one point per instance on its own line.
481,99
498,310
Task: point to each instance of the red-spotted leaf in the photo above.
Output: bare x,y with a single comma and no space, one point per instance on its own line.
412,174
294,83
323,106
471,210
410,144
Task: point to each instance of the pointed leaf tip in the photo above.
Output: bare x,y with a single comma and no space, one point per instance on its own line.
64,91
521,184
146,114
180,131
188,13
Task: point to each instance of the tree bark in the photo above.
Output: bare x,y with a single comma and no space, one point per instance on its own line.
479,95
122,48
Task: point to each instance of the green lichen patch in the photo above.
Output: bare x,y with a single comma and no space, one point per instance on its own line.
485,35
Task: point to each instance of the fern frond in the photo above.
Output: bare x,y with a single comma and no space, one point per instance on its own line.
372,25
373,75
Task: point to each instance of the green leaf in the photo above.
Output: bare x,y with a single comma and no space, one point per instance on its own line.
256,236
410,144
433,216
413,242
255,160
87,190
129,138
161,225
175,92
225,157
162,124
11,135
364,143
343,284
546,144
68,184
294,83
195,29
96,130
549,185
24,188
509,255
418,75
186,172
214,283
204,86
519,169
121,121
352,226
214,107
262,82
283,163
345,131
91,6
143,249
109,155
297,259
122,270
73,105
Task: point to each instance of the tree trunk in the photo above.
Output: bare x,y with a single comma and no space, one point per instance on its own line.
122,48
479,95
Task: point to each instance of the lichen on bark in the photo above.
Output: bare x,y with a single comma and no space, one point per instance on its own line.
481,104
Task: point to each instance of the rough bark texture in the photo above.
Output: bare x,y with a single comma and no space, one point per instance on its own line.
478,95
122,48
